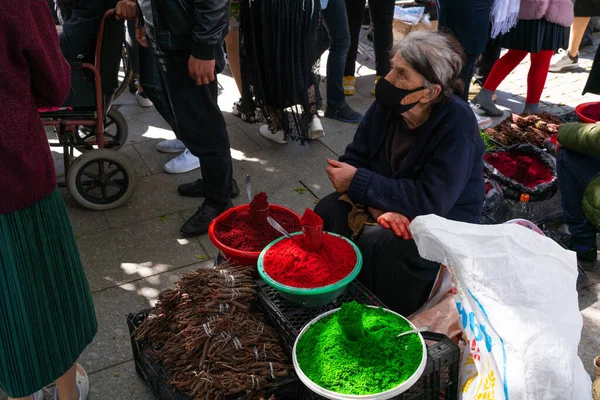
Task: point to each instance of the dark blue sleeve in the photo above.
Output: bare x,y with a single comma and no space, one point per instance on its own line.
437,189
357,153
80,30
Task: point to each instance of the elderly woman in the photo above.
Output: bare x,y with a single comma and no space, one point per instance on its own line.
416,152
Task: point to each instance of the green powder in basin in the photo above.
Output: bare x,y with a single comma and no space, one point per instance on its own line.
376,362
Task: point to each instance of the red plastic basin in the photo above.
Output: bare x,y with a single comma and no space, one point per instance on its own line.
236,256
588,112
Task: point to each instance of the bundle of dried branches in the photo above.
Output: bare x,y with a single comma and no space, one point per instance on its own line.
209,340
525,128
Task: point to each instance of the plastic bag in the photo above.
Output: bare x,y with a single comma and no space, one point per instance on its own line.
513,189
495,209
515,294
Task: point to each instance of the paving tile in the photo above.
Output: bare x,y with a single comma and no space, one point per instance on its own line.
154,196
148,126
150,288
589,346
112,345
135,251
141,169
338,141
152,158
119,382
84,221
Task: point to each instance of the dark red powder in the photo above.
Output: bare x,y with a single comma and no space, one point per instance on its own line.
310,218
591,111
528,171
240,231
260,202
288,263
488,187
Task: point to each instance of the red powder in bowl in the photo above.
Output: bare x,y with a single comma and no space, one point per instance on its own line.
241,232
259,202
310,218
591,111
528,171
288,263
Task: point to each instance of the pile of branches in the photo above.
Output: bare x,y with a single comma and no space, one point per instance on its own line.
525,128
209,340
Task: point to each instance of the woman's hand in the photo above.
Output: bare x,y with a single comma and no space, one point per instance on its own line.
140,36
397,222
340,174
126,9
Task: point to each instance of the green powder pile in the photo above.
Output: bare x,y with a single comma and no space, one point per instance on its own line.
376,362
350,319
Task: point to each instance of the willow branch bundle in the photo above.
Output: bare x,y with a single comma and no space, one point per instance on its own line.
209,340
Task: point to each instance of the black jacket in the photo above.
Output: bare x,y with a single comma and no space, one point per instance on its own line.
442,173
198,26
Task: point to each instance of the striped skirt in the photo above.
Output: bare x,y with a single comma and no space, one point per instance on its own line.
46,312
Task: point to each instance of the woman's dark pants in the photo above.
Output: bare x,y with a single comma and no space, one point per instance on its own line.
392,268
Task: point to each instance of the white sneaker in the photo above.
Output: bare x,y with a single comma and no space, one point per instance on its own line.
143,100
83,384
277,137
185,162
316,128
170,146
563,61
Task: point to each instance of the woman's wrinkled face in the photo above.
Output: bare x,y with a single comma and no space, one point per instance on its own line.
403,76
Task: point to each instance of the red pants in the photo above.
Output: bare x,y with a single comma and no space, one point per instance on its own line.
538,71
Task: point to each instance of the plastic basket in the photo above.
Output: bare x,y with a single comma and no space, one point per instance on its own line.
443,355
157,379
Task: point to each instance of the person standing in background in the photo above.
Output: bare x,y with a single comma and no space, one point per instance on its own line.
187,41
469,22
335,19
569,59
382,17
540,31
48,316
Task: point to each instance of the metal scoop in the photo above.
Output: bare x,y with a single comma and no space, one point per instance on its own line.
421,329
249,188
278,228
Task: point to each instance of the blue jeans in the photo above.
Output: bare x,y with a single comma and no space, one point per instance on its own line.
335,19
575,171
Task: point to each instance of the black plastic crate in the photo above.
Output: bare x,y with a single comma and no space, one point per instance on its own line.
441,371
157,379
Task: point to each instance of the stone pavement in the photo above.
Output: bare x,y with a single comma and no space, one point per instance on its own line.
132,253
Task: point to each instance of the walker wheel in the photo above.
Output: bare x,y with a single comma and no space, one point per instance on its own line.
116,132
101,179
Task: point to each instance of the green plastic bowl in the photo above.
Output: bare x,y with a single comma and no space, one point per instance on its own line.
313,297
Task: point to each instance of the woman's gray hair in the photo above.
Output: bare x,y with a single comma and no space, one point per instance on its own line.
437,56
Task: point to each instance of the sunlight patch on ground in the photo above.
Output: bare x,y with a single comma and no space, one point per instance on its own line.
143,269
241,156
155,132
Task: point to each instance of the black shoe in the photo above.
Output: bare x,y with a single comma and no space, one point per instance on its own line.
196,189
344,114
198,223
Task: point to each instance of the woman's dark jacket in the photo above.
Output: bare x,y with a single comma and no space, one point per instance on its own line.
442,173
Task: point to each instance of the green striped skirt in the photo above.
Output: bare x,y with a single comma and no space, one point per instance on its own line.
46,312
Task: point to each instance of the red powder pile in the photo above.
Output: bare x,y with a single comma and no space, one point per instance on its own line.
528,171
259,202
310,218
240,231
288,263
488,187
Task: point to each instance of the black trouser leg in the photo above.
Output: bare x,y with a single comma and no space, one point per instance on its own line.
394,271
466,74
151,82
382,17
392,268
486,61
200,125
335,214
356,13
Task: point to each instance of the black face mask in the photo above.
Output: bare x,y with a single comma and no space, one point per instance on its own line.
390,96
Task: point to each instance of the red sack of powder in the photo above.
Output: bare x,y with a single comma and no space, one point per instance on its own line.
506,163
288,263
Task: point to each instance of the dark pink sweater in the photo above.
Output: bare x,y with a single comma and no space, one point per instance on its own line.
33,73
